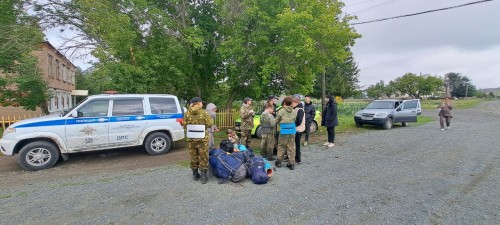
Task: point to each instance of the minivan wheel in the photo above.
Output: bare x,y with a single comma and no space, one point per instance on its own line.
314,127
157,143
388,124
258,132
38,155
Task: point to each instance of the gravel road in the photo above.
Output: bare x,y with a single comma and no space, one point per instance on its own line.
406,175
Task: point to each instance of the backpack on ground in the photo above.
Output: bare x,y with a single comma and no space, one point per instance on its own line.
227,166
257,170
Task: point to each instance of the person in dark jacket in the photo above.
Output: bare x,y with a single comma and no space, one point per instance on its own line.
300,125
330,120
310,111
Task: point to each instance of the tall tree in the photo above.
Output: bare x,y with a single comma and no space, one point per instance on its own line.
459,85
409,84
21,82
376,91
341,79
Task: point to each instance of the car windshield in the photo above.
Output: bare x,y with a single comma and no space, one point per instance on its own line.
66,112
381,105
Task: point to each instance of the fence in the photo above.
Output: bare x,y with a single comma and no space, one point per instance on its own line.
8,120
225,119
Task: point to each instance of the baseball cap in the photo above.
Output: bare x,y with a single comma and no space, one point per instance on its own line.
196,99
247,99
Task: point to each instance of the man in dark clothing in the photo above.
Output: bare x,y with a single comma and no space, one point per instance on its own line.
310,111
330,120
300,125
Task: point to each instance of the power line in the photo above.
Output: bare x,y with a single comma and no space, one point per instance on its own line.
359,3
424,12
375,6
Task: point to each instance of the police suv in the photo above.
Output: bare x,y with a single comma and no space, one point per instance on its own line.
99,122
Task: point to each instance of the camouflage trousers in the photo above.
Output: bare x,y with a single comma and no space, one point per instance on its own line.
245,137
267,145
286,143
199,154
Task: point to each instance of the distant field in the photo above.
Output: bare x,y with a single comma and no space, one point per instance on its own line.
458,104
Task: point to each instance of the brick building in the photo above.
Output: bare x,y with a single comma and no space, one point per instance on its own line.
59,73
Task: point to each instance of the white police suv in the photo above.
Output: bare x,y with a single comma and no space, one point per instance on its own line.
99,122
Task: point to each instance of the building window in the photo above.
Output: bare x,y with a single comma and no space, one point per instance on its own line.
50,70
58,70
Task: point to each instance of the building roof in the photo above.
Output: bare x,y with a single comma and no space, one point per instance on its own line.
58,53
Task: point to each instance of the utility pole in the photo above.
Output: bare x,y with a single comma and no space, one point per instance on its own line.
323,89
466,89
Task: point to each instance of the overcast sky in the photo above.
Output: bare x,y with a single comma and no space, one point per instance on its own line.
464,40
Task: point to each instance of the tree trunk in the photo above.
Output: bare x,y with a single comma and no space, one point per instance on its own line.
230,99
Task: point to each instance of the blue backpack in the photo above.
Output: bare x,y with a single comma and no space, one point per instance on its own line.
257,170
227,166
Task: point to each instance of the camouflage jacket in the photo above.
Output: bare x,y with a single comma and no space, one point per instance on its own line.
267,123
246,117
198,116
286,115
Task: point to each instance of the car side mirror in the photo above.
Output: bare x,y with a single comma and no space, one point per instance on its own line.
74,114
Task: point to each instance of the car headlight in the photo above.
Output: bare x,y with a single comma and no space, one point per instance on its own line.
9,130
358,113
380,115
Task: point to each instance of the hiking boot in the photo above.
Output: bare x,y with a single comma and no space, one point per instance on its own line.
277,164
196,175
204,177
291,167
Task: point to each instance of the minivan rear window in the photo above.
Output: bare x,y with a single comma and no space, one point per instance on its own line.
127,107
162,105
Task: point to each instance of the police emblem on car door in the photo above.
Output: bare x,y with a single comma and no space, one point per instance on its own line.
89,129
127,121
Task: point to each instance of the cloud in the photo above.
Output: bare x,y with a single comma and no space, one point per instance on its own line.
464,40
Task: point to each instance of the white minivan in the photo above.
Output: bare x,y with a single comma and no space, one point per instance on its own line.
99,122
386,112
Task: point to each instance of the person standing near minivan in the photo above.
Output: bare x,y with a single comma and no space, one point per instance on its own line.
196,122
212,111
300,124
268,124
286,117
310,111
330,120
247,115
445,113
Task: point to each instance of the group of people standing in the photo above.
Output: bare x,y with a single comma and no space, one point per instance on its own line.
293,118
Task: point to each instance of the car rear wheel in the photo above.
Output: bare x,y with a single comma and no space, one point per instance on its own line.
258,132
388,123
38,155
157,143
314,127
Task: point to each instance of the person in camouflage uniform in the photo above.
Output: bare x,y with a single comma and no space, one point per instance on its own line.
247,114
286,141
267,124
198,147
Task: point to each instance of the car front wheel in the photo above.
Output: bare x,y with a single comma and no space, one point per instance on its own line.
157,143
38,155
388,123
258,132
314,127
359,124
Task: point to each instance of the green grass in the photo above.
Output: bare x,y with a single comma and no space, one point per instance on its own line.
457,104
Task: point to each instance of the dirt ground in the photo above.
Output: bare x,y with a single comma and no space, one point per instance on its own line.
102,163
